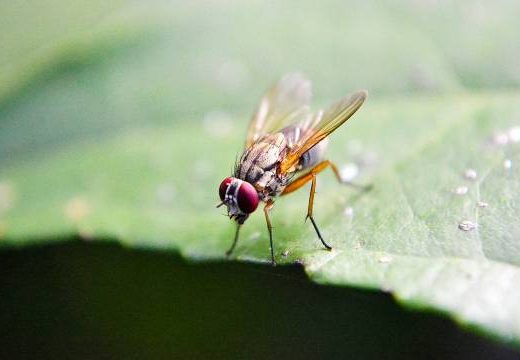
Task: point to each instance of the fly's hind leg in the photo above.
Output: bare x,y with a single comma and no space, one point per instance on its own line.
310,208
311,176
302,180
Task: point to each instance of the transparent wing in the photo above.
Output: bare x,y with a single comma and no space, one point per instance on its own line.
285,103
322,125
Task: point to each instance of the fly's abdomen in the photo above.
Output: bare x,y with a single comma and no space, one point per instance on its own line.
314,155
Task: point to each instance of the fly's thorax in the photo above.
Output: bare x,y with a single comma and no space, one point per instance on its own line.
260,158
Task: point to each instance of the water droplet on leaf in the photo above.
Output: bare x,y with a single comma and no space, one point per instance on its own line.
470,174
500,139
467,225
349,171
385,259
254,236
348,212
359,245
482,204
461,190
86,234
514,134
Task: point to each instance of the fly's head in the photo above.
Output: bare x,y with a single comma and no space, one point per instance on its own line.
240,197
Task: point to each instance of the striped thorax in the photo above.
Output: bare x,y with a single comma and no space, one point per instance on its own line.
258,163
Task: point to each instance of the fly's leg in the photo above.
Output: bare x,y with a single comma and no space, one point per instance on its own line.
310,208
234,241
311,176
302,180
268,208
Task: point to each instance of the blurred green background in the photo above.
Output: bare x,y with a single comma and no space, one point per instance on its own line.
144,89
85,68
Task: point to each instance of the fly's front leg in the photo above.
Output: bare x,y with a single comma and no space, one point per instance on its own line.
267,208
234,241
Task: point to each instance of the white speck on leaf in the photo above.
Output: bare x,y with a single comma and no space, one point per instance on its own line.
467,225
285,253
461,190
385,259
254,236
482,204
514,134
508,164
86,234
349,171
348,212
500,139
359,245
470,174
387,288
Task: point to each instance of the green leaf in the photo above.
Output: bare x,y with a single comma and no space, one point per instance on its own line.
123,128
156,188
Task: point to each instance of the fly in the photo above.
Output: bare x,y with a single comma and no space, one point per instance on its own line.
284,150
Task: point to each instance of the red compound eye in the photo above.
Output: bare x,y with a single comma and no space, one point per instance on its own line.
247,198
223,187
